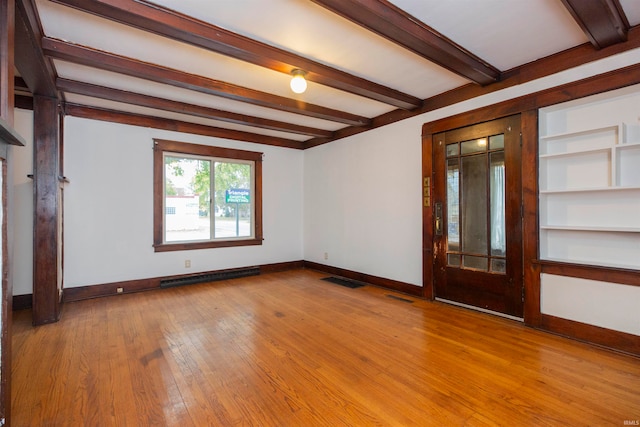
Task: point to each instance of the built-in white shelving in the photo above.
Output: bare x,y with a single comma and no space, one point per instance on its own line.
589,182
588,228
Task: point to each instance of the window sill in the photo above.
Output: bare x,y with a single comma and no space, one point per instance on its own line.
185,246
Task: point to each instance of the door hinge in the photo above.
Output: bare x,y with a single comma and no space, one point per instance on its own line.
520,139
523,294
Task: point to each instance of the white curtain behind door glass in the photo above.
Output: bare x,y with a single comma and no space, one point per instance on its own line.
498,225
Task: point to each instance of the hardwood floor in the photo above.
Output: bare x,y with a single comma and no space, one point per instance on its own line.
287,349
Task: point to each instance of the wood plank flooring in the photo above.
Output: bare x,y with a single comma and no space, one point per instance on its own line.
288,349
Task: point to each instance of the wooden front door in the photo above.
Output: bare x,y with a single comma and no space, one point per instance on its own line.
477,216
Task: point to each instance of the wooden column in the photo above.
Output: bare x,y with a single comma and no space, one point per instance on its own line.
7,51
532,314
46,207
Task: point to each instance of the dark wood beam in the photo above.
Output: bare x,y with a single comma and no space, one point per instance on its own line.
7,59
107,61
113,116
394,24
36,70
184,108
603,21
188,30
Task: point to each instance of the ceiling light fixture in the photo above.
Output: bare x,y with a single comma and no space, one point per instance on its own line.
298,83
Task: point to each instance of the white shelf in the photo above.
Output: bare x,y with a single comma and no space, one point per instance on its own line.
589,190
602,264
582,141
591,228
584,132
577,153
630,145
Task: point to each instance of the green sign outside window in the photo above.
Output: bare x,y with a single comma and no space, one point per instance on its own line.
237,195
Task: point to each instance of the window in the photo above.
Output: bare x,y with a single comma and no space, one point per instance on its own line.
205,197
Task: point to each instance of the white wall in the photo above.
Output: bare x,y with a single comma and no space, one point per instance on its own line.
108,207
608,305
22,205
360,207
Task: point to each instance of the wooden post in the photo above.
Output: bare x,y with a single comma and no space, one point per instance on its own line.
46,206
7,55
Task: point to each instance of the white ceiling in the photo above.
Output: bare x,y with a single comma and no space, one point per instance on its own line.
504,33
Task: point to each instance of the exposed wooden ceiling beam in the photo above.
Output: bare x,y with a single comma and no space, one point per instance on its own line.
603,21
36,70
188,30
118,95
131,67
394,24
108,115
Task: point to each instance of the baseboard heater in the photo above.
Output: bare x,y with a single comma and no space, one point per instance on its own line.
210,277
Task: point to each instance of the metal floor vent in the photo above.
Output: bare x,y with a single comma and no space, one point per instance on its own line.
210,277
400,298
343,282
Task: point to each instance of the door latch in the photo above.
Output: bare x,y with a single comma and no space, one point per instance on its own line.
438,218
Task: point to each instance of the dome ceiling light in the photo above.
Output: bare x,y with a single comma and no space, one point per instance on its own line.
298,83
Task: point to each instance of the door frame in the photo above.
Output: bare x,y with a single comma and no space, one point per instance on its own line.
6,300
529,168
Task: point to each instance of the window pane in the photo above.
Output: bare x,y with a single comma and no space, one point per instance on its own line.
474,204
233,200
453,203
186,199
498,265
497,210
453,260
452,150
475,262
496,142
474,146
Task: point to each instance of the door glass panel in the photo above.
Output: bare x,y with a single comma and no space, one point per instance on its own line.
496,142
475,262
452,150
453,260
474,146
474,205
497,210
498,265
453,205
